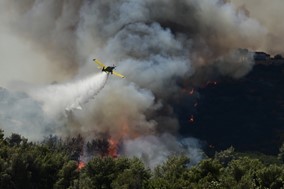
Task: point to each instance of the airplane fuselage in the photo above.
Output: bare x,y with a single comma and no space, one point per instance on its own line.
108,69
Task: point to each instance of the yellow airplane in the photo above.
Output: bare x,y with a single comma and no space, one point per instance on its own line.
107,69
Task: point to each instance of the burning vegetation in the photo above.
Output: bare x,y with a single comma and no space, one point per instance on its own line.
81,165
113,148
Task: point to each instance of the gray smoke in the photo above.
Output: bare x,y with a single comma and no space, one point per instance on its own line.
154,43
21,114
270,15
156,149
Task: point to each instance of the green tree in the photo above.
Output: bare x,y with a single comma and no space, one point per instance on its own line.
226,156
99,173
1,135
271,177
241,173
206,174
74,147
133,176
171,174
281,153
107,172
98,146
14,139
54,143
67,175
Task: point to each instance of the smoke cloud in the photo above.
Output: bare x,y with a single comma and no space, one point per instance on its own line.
156,149
270,16
156,45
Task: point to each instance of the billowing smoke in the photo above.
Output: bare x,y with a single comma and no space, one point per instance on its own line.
156,45
46,110
153,150
270,16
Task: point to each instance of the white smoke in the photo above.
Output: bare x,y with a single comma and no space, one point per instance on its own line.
59,98
45,111
156,149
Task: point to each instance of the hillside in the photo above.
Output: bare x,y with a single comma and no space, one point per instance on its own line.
246,113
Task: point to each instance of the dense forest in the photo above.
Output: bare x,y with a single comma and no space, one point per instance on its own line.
55,163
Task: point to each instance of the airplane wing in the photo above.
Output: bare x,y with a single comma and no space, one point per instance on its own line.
101,65
118,74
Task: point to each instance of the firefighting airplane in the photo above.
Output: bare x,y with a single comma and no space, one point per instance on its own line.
107,69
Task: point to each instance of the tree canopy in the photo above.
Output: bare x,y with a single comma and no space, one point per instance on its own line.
54,163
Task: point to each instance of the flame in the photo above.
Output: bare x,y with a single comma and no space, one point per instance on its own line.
112,149
191,119
81,165
123,131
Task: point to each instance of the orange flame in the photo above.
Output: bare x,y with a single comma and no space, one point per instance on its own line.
123,131
81,165
112,149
